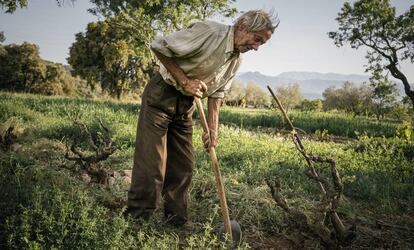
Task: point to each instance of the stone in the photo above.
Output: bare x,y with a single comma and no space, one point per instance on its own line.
126,180
111,181
15,147
86,178
117,174
127,173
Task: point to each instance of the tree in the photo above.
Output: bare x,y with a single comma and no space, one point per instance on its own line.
389,38
256,96
21,67
349,98
12,5
384,94
331,98
57,81
22,70
236,94
289,95
2,37
114,53
166,15
311,105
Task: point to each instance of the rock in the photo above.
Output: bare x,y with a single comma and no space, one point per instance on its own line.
86,178
127,173
111,181
126,180
116,174
15,147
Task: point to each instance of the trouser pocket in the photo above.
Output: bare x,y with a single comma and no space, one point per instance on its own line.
154,91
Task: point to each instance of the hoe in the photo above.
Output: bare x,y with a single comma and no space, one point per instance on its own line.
232,228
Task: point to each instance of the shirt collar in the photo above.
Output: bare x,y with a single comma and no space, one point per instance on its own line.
230,40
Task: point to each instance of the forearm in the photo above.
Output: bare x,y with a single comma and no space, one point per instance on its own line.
213,113
191,87
171,65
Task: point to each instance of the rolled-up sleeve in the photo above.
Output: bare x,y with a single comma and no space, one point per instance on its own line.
222,92
183,43
227,79
218,94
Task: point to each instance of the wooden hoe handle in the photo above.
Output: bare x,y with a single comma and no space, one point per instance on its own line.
214,163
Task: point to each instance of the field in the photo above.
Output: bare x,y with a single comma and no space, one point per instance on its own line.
45,204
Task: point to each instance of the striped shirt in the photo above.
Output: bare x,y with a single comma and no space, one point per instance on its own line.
204,51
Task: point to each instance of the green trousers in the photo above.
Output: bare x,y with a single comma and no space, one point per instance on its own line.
164,152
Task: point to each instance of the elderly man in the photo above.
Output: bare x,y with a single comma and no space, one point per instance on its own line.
200,61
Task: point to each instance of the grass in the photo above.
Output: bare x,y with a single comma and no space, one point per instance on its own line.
46,206
337,124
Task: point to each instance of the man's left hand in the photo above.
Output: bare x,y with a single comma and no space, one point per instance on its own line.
213,139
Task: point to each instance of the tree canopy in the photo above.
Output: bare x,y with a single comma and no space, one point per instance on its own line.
390,39
166,15
349,98
21,67
311,105
22,70
289,95
2,37
236,95
11,6
256,96
384,94
115,52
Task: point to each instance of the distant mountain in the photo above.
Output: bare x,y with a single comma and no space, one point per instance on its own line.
299,76
312,84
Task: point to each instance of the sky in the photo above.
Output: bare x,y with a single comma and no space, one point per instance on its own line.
300,43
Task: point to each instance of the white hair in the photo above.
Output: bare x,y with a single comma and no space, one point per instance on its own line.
258,20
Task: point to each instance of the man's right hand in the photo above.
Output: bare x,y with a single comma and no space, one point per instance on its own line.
194,87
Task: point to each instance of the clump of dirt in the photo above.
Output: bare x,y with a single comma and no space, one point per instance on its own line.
384,230
374,231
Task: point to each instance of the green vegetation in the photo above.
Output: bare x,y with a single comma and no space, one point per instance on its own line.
337,124
45,205
378,99
22,70
11,5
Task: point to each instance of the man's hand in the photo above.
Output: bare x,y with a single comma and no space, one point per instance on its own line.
213,139
213,117
194,87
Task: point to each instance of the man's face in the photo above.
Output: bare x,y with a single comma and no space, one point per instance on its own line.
245,40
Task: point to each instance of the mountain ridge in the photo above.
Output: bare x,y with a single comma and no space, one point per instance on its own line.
312,84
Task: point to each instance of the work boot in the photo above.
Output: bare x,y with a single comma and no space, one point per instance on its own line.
175,220
182,225
137,213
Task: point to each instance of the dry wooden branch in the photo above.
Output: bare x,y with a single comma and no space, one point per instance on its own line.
299,221
86,132
277,195
331,190
384,224
8,138
89,161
